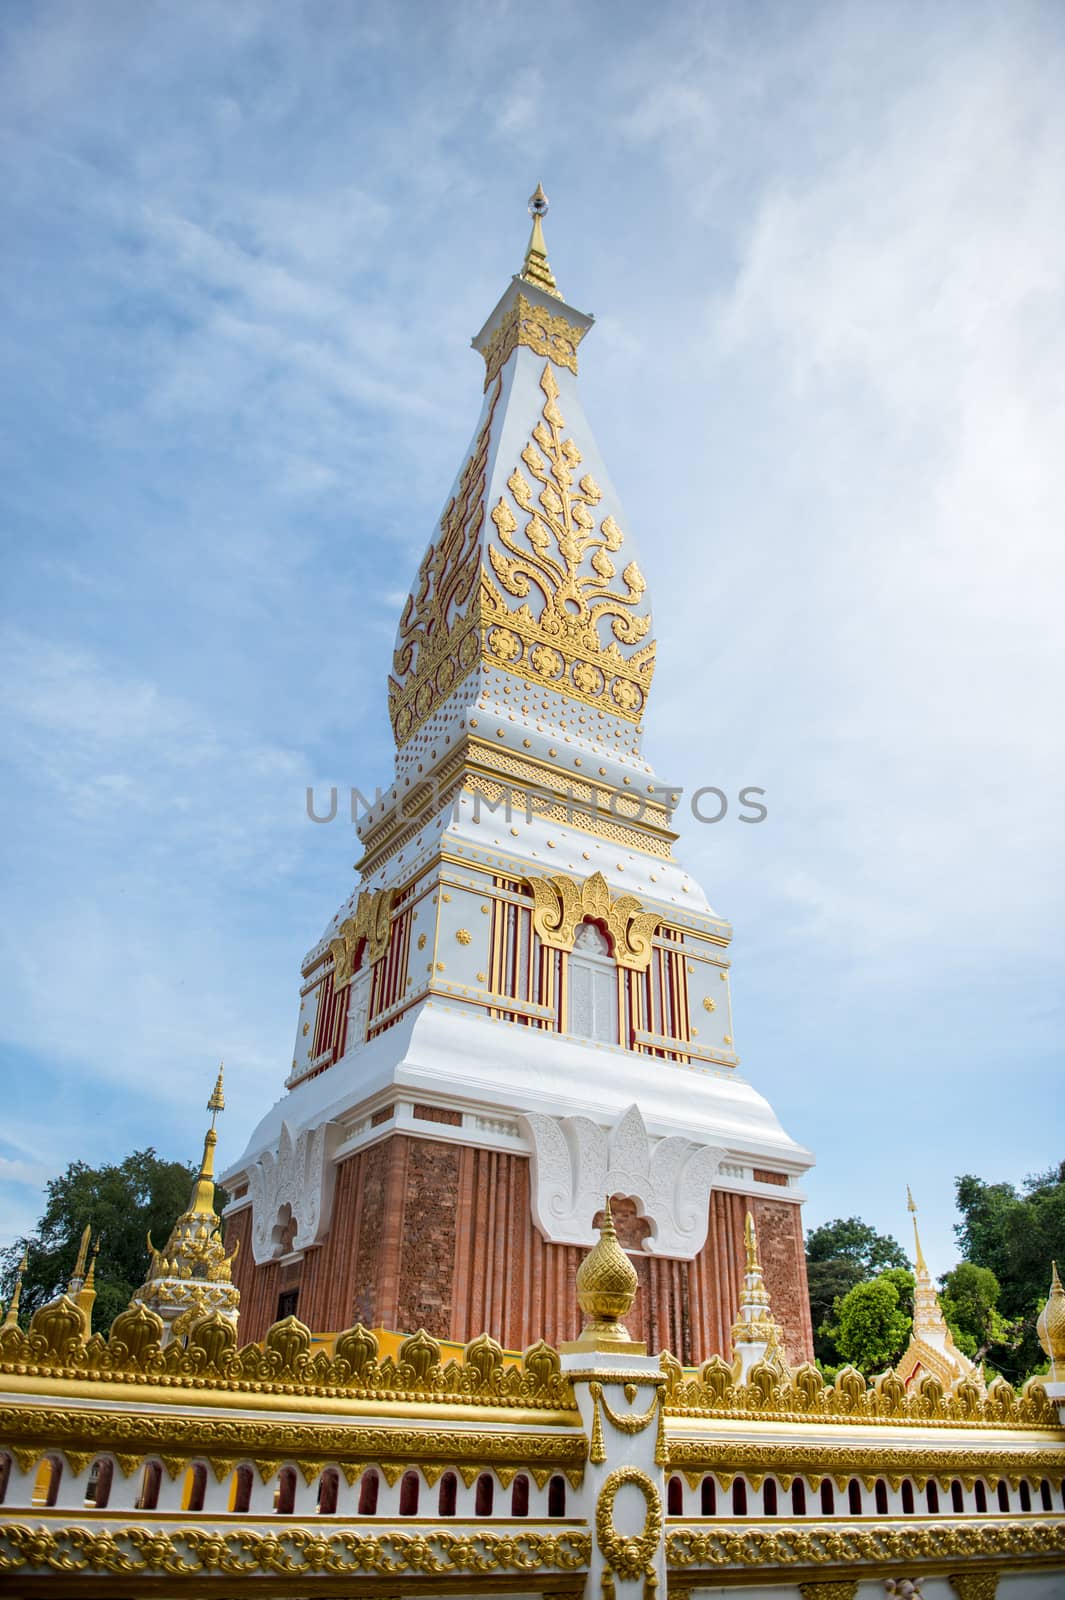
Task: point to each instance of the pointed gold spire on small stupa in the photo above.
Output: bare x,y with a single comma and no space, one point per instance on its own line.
931,1347
86,1295
192,1272
755,1323
1050,1326
606,1287
203,1189
920,1263
11,1320
536,269
217,1102
77,1277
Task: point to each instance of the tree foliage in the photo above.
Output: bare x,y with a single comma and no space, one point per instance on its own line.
120,1203
870,1330
990,1301
969,1300
1014,1236
840,1255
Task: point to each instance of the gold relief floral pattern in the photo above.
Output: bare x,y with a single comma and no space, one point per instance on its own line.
437,620
294,1552
559,556
547,662
504,644
790,1547
552,556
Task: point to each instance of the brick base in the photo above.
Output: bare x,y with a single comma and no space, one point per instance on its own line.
440,1236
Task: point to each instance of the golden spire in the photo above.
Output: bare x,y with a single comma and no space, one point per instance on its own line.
536,269
77,1277
86,1295
192,1272
11,1320
1050,1326
750,1244
921,1264
755,1323
217,1102
606,1287
202,1200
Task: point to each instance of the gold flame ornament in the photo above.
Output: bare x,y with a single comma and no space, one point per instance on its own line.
1050,1327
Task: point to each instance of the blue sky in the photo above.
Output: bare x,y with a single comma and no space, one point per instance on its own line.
245,249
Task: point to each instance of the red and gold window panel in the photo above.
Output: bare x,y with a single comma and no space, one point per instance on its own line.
520,967
388,986
656,1001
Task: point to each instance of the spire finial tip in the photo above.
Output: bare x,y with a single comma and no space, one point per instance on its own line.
536,269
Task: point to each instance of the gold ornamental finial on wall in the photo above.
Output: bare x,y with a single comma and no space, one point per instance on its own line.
606,1287
536,269
1050,1327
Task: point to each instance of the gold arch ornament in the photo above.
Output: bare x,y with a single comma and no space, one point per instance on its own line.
373,922
562,903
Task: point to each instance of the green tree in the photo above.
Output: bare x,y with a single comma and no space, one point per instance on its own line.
1014,1235
840,1255
120,1203
870,1331
969,1300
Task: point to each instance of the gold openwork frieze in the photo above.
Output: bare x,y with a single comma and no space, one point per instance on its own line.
836,1543
291,1552
36,1429
283,1365
787,1458
566,813
546,333
802,1395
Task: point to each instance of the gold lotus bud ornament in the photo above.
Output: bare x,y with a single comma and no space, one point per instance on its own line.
1050,1327
606,1287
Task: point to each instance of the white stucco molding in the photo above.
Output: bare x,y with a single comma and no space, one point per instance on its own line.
301,1175
576,1162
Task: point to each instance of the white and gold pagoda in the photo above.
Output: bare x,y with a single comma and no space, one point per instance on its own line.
525,1004
192,1274
931,1348
513,1037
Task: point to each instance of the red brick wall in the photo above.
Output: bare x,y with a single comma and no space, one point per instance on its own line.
439,1235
